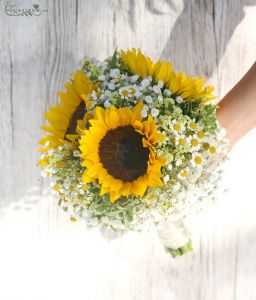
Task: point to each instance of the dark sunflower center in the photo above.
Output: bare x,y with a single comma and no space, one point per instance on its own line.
122,153
78,114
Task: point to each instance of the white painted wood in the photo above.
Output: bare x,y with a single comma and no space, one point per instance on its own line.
43,255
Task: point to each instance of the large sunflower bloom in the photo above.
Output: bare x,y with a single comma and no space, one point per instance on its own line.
179,84
71,112
118,151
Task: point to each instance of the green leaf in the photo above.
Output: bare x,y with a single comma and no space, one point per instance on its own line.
114,59
129,216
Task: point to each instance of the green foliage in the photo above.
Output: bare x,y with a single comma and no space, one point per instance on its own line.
204,114
113,62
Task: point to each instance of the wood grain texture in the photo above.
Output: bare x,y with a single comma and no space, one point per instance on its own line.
211,38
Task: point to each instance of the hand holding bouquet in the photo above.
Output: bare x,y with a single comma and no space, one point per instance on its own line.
134,144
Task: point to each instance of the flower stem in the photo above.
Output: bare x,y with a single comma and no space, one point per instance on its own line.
180,251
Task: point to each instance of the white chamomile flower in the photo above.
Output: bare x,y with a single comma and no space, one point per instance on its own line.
192,125
96,94
181,140
60,148
114,73
102,77
183,174
194,142
124,93
212,150
134,90
197,160
206,144
111,86
148,99
201,134
154,112
179,99
134,78
166,178
176,126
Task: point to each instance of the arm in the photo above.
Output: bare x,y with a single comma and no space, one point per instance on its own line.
237,112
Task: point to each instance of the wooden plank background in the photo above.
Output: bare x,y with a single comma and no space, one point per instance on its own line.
43,255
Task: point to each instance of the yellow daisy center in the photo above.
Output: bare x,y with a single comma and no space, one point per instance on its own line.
193,125
212,150
56,187
201,134
98,94
184,173
177,127
206,146
182,141
132,90
194,142
198,160
125,93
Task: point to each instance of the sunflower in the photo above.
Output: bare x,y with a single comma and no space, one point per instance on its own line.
70,113
190,88
178,83
118,151
139,64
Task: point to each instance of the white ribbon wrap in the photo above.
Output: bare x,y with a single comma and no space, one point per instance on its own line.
173,234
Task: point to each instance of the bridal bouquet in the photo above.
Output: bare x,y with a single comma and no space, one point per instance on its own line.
133,144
